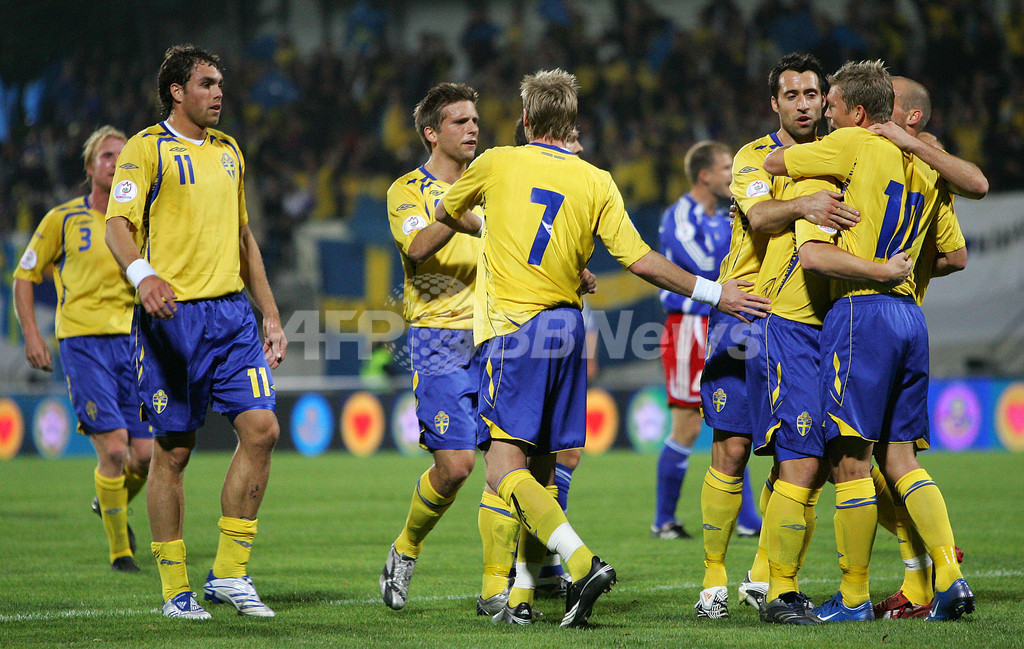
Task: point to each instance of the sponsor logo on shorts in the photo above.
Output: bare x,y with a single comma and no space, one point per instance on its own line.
441,422
804,423
718,399
91,410
159,401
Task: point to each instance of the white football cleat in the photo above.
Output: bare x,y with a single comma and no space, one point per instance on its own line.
713,603
238,591
185,606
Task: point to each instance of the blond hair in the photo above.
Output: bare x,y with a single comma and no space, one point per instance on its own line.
702,156
550,99
867,84
95,141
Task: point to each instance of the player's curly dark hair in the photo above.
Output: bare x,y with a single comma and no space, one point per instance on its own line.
179,62
430,110
797,62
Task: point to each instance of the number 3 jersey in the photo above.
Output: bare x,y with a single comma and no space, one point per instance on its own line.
896,196
186,202
93,296
544,207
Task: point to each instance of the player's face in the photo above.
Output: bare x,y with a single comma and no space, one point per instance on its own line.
573,145
202,96
103,166
459,129
839,116
719,176
799,104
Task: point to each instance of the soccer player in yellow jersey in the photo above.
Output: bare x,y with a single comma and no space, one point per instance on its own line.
874,353
93,320
795,88
544,208
178,225
440,278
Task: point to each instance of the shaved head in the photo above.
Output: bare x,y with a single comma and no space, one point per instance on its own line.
910,96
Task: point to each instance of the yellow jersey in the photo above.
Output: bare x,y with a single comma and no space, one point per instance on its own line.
94,297
186,202
751,184
439,292
544,207
943,236
795,294
885,185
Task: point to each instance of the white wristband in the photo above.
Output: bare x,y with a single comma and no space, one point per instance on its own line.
138,270
707,291
480,232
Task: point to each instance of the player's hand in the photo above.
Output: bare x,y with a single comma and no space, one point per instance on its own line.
37,353
897,269
740,304
826,209
734,209
157,298
588,283
896,134
274,342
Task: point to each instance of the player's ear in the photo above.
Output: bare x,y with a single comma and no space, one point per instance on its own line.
177,91
914,116
775,104
430,134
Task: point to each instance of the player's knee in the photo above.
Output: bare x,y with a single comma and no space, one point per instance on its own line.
453,471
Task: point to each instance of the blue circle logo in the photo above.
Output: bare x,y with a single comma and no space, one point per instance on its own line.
312,424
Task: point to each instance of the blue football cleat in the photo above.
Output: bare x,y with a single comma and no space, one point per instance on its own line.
952,603
835,611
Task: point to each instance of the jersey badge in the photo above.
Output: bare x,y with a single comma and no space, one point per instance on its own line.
718,399
29,259
757,188
441,422
125,191
228,163
803,423
159,401
413,223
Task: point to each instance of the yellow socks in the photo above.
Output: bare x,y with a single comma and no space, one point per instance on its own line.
785,520
886,513
133,482
236,537
427,508
170,560
811,522
759,570
113,499
720,501
499,532
855,520
928,510
542,516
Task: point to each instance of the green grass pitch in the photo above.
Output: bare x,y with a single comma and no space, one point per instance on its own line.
327,522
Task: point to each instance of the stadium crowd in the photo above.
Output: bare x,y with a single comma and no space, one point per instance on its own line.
323,129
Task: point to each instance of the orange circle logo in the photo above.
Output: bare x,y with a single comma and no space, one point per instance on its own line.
1010,417
602,421
362,424
12,429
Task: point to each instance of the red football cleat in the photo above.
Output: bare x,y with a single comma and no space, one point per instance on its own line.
898,606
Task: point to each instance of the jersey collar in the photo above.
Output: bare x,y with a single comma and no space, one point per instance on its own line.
552,147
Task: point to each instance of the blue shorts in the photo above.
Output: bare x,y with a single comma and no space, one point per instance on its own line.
534,384
101,384
782,387
874,370
209,350
445,380
723,386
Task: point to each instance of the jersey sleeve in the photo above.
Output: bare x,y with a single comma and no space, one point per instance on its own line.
45,247
243,212
833,156
751,184
805,230
468,191
615,230
406,214
948,235
136,173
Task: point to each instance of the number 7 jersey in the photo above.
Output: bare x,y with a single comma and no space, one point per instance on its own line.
896,196
186,202
544,207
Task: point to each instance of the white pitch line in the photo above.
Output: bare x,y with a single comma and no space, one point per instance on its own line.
129,612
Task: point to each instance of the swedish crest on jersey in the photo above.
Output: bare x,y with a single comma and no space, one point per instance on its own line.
228,163
804,423
718,399
441,420
159,401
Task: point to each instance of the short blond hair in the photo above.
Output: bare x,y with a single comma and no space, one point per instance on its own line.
95,141
551,102
867,84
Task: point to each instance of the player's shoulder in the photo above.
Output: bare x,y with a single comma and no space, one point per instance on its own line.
74,205
222,138
408,183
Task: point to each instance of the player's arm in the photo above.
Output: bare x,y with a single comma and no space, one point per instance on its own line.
824,207
36,352
947,263
155,295
254,275
435,236
833,262
466,222
775,163
963,177
727,298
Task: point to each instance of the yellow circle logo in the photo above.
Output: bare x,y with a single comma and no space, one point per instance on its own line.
12,429
602,421
362,424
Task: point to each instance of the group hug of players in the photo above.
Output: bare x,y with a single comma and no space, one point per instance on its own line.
841,233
